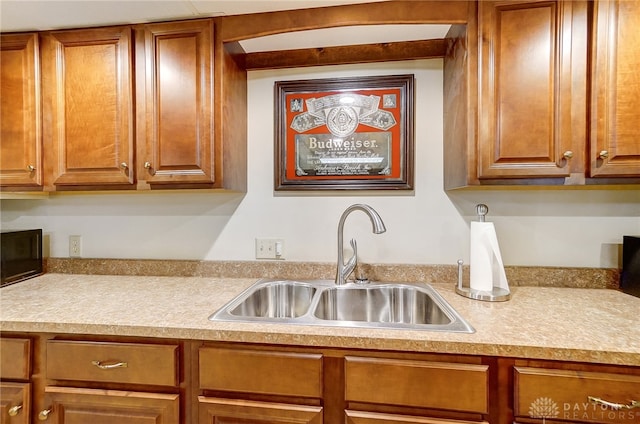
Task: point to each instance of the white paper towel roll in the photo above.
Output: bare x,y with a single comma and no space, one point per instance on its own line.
487,269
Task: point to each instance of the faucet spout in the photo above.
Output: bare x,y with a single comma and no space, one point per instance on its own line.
344,270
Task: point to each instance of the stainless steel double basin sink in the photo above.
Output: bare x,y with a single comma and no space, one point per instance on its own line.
322,302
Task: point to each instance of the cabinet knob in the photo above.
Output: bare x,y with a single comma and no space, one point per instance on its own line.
147,165
568,154
603,154
14,410
31,168
124,165
44,414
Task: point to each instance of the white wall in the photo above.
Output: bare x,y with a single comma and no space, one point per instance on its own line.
535,227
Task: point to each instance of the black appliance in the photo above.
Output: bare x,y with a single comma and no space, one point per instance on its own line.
21,253
630,276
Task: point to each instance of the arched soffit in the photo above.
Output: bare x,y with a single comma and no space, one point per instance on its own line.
242,27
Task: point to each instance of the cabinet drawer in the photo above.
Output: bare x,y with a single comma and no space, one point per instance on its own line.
564,394
134,363
15,358
360,417
453,386
262,372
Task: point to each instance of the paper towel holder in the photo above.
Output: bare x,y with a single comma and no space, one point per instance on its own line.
497,294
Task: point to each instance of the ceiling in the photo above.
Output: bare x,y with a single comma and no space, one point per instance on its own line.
39,15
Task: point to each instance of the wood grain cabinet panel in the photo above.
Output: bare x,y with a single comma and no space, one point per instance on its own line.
615,106
261,372
525,89
15,403
357,417
20,107
88,107
68,405
563,395
452,386
174,62
15,358
129,363
229,411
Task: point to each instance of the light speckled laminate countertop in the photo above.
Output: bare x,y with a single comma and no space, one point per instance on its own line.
587,325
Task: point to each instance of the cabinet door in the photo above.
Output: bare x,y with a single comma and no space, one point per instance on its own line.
229,411
15,405
88,106
174,62
20,120
615,115
67,405
525,89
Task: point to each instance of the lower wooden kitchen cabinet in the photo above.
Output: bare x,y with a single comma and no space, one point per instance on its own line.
131,382
72,379
15,384
276,385
554,393
214,411
359,417
67,405
15,402
447,386
260,386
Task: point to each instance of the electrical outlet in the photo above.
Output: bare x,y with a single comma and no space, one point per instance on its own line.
269,248
75,246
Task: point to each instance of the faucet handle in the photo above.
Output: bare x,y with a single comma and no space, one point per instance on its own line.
351,263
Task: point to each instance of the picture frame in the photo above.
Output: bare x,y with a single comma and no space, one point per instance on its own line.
353,133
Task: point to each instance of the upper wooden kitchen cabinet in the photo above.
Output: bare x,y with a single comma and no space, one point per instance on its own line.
183,76
20,120
515,107
175,102
150,106
615,108
526,97
88,107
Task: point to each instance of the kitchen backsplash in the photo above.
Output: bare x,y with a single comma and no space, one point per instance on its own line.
600,278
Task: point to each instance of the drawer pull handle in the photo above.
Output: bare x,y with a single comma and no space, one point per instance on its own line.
44,414
14,410
615,406
110,366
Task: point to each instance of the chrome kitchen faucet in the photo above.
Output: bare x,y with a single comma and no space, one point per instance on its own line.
344,270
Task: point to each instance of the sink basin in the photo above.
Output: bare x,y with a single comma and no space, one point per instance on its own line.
321,302
278,299
386,304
